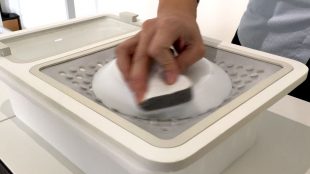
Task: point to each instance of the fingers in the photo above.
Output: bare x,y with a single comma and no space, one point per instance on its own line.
140,65
153,42
160,51
190,55
124,53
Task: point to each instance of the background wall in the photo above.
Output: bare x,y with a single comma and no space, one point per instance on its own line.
36,12
220,18
216,18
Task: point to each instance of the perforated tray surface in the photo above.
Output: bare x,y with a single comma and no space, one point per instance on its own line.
77,74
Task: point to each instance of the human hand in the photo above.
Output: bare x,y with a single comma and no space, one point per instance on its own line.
152,44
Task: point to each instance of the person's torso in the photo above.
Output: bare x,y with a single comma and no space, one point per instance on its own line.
280,27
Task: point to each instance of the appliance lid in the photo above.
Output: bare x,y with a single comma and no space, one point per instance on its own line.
36,44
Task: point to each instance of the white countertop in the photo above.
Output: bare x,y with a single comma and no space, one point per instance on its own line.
293,108
282,147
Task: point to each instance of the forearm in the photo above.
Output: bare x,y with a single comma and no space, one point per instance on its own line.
186,7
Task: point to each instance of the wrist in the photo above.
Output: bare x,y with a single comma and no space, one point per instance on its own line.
181,7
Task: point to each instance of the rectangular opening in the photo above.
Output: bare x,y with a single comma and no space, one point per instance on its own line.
161,133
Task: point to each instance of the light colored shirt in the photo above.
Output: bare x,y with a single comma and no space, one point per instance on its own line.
279,27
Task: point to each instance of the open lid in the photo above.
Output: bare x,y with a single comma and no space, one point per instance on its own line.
32,45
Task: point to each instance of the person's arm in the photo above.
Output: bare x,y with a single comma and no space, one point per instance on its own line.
187,7
176,26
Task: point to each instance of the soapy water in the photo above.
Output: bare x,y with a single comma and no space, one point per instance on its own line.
211,85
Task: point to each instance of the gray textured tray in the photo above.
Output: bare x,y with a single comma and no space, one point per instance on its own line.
77,73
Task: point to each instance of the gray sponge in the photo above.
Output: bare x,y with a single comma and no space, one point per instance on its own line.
161,95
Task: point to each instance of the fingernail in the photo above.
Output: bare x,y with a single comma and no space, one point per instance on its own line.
170,77
139,97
